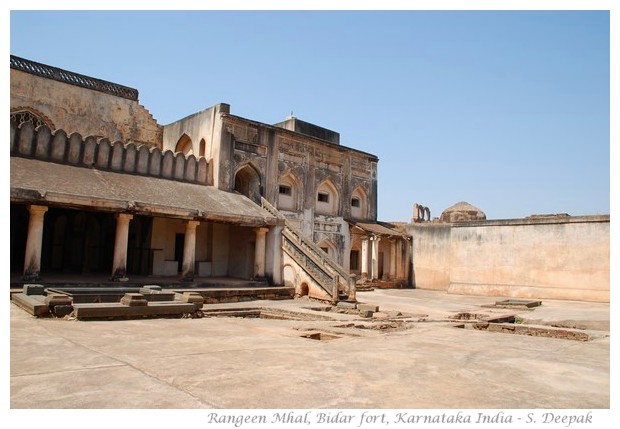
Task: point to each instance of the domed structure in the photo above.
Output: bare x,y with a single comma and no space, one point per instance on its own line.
462,212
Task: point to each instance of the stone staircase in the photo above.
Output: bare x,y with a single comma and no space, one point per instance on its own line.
326,273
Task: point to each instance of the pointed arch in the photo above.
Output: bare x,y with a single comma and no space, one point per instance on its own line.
327,198
185,145
248,182
202,147
359,203
289,192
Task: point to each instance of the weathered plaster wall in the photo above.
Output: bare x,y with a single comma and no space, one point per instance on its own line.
555,259
431,256
199,126
211,247
220,249
162,242
84,111
241,258
297,277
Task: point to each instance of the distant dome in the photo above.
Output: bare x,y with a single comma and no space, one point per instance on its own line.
462,212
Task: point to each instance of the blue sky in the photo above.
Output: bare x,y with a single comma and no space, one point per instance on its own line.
508,110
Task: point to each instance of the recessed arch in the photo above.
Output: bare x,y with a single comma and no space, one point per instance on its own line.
359,203
248,182
289,195
202,147
288,275
304,290
185,145
327,198
328,247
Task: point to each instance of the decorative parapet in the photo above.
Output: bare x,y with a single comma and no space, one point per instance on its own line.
72,78
90,152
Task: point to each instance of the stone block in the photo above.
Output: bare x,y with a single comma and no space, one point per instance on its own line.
194,298
394,313
368,307
99,310
33,289
366,313
53,300
345,304
33,304
157,296
62,310
134,300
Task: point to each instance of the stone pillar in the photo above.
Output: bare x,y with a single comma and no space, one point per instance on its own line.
34,242
399,259
365,258
392,258
273,257
374,242
408,263
189,251
259,252
119,262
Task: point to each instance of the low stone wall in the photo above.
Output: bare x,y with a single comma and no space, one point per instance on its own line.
555,258
90,152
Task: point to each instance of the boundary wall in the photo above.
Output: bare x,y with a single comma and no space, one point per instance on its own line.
555,257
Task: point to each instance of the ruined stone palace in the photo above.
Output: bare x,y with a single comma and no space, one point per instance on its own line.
98,187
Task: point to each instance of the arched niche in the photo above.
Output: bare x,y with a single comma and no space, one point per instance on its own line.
184,145
327,199
248,182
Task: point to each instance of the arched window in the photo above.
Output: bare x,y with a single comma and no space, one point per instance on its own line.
201,147
184,145
327,200
288,193
359,204
22,116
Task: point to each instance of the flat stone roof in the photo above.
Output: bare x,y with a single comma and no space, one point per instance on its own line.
46,183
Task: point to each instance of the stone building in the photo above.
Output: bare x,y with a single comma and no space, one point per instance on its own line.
98,186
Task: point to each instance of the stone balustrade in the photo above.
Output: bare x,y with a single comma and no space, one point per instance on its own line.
326,272
100,153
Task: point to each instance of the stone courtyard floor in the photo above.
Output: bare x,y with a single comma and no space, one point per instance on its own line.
299,356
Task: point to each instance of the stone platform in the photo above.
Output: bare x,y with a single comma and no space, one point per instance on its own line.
104,299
